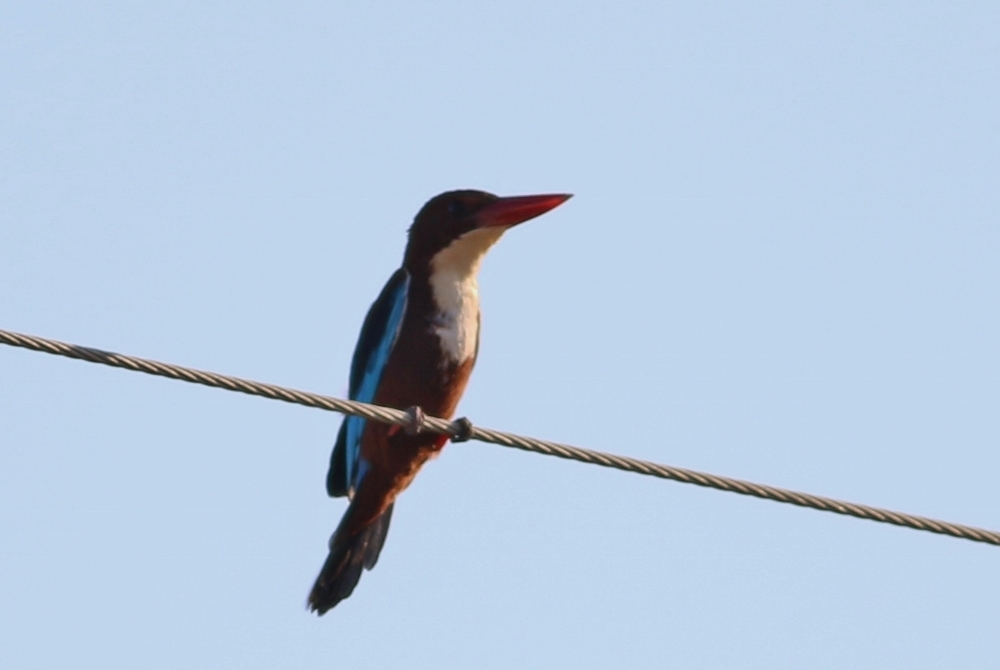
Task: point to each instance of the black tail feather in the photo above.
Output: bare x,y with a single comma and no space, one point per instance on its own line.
348,556
336,476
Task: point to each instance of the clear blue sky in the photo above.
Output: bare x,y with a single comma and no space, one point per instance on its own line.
781,264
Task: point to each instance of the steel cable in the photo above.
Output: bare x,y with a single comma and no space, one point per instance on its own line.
463,430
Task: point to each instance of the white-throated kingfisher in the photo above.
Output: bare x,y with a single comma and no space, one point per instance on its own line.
417,347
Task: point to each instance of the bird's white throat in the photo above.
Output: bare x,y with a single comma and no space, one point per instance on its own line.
454,270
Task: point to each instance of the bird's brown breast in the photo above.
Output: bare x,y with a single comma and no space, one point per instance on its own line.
416,374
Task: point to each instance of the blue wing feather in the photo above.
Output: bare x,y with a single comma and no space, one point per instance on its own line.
378,336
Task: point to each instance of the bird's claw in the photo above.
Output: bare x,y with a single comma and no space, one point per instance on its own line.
414,421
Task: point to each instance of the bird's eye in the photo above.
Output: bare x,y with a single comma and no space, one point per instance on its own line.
456,208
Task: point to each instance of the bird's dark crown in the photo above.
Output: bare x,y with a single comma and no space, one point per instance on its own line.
444,219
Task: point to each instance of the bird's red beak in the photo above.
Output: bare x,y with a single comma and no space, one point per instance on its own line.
518,209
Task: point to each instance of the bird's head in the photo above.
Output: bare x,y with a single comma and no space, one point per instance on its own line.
454,230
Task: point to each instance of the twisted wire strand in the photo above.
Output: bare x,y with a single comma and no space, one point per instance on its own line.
460,429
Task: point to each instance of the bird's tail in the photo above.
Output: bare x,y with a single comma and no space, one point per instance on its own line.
348,555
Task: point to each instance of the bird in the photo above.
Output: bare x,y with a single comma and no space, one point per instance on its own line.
417,347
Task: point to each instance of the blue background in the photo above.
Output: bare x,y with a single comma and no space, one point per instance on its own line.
781,264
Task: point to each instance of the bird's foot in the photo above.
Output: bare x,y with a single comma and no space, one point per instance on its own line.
414,420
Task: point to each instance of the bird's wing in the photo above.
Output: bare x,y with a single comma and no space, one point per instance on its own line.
378,336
